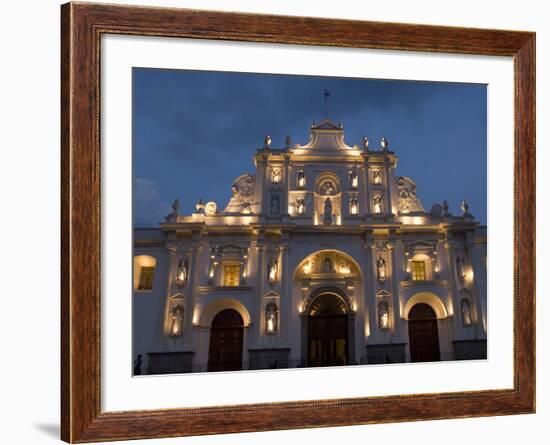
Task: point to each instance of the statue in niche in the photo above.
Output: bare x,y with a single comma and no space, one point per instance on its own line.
460,268
383,315
353,180
176,329
272,269
276,175
301,179
354,206
271,318
327,265
182,272
381,267
377,204
327,212
376,177
275,205
300,206
466,314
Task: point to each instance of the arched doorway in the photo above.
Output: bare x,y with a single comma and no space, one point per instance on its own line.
226,341
327,329
423,334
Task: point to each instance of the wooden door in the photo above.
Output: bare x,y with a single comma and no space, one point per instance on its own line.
328,337
226,342
423,334
328,332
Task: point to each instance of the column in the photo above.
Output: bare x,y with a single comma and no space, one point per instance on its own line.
369,290
285,301
192,285
396,254
260,287
451,272
478,303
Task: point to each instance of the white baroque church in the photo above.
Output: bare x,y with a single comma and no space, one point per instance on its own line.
322,257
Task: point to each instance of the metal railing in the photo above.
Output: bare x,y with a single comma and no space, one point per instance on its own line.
174,367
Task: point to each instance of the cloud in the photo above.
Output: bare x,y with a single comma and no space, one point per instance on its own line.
149,208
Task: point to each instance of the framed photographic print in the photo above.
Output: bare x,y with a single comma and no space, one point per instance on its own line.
279,222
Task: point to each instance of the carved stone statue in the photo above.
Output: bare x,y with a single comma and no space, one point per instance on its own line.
327,212
445,207
465,209
267,141
182,273
461,268
176,207
381,267
301,179
271,318
353,181
272,269
275,205
175,210
383,316
354,206
466,314
327,265
176,328
384,144
366,143
377,204
300,206
376,177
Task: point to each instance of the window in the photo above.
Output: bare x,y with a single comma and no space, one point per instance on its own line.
418,270
146,278
144,271
231,274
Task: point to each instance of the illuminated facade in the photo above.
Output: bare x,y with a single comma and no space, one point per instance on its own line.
324,256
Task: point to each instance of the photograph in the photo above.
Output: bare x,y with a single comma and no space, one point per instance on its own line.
285,221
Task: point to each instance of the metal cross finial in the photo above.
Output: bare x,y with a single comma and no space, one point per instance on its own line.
326,95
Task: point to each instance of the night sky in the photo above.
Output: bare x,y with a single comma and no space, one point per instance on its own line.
194,132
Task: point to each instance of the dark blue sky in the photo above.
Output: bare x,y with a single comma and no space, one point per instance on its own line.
196,131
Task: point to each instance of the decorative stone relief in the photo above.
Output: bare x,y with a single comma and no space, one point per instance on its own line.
406,191
243,195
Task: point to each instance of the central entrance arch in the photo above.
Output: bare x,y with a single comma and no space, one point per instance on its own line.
328,328
226,341
423,334
327,331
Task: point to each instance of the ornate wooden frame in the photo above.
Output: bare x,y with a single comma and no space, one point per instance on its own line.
81,27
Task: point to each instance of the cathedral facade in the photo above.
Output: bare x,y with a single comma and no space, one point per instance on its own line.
322,257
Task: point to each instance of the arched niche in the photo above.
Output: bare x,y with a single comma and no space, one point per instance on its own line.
327,189
428,298
315,265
